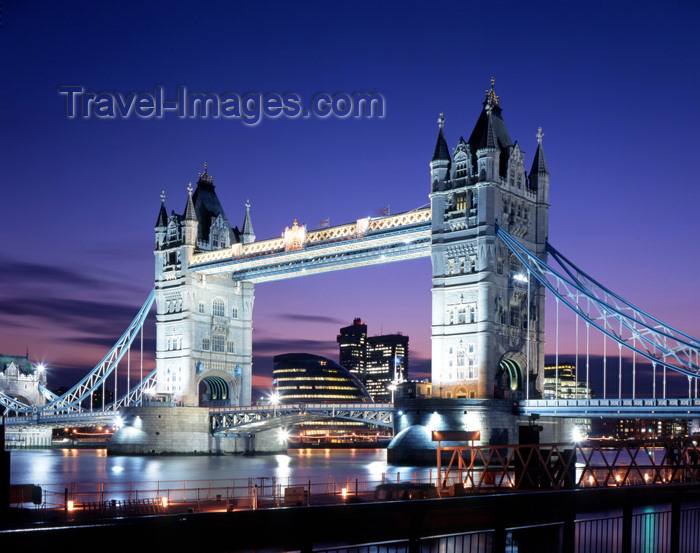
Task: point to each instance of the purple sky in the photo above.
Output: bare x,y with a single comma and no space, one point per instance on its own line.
614,89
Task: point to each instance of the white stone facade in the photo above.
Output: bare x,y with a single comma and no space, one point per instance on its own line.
480,291
203,323
20,380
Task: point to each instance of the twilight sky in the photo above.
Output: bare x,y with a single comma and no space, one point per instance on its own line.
615,87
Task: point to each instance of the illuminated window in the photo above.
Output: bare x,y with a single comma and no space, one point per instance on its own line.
460,202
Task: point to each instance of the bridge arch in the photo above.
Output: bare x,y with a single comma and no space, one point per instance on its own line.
510,375
217,388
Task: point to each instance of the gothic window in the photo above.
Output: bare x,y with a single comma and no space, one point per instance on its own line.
234,312
461,202
200,308
461,267
218,308
462,315
460,364
472,314
206,343
471,371
514,316
472,264
230,346
499,266
217,344
451,269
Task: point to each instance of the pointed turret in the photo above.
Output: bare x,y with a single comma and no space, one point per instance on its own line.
163,213
190,220
490,139
212,224
442,152
247,235
162,222
539,174
440,165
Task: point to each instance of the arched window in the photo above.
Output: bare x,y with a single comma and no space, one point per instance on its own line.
234,312
218,308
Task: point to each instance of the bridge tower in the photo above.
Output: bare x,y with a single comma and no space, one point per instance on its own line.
203,322
488,317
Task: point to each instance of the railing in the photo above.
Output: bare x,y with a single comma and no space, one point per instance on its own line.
653,531
599,463
268,491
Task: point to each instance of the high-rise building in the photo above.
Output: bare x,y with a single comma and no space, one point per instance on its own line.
380,362
352,341
387,365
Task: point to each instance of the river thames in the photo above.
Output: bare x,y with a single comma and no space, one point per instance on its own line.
46,467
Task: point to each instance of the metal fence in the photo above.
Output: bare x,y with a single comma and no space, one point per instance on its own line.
251,492
651,532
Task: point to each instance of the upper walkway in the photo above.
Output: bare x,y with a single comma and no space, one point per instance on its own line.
368,241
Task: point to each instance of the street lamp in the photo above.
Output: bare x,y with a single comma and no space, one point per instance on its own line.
274,399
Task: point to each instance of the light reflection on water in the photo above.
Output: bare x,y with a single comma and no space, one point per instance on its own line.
62,466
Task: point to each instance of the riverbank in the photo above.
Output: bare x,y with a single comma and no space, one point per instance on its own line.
526,519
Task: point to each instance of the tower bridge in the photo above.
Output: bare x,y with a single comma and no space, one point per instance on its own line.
486,232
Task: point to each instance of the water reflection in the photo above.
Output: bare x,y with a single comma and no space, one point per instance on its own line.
283,469
62,466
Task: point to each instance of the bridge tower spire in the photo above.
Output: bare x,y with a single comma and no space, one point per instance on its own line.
483,303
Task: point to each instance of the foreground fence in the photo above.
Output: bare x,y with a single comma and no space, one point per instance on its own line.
652,532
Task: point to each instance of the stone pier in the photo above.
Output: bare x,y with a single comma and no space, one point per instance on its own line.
167,430
415,420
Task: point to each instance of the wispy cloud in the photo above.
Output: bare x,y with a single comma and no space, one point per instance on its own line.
312,318
276,346
25,273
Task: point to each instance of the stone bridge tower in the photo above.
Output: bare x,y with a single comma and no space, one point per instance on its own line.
483,302
203,323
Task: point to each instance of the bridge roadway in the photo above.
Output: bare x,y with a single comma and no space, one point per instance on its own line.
58,420
612,408
233,420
